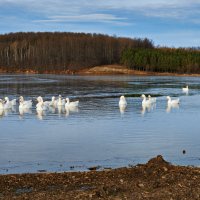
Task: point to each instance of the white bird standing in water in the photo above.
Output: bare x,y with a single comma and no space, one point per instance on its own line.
186,89
46,103
40,106
23,105
1,108
122,102
172,102
12,102
1,104
26,104
60,101
71,104
145,101
8,104
53,102
152,99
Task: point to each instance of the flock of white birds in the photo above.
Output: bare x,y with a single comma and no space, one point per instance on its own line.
60,102
152,100
40,106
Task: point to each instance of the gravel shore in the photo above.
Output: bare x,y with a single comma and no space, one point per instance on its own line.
157,179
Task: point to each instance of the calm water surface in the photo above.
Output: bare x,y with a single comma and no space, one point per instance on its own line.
98,133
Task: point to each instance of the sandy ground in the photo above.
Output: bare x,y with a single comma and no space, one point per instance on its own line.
157,179
108,69
120,70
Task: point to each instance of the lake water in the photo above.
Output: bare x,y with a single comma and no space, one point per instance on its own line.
97,133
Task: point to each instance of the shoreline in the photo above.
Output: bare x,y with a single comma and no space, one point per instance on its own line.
100,71
157,179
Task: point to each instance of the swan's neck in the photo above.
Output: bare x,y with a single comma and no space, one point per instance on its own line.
41,99
144,99
123,100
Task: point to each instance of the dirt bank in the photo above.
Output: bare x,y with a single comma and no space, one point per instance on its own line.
121,70
110,70
155,180
100,70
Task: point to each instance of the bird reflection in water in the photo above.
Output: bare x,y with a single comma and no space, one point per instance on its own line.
52,109
71,110
61,110
1,113
148,108
40,114
122,109
23,111
170,107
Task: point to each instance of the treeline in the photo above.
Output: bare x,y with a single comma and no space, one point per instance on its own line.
57,52
162,60
62,51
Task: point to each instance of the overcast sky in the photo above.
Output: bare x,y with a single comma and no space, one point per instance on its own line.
167,22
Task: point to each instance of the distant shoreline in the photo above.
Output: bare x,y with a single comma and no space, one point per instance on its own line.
100,70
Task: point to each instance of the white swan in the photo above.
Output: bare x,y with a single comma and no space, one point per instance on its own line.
122,102
7,104
27,104
145,101
71,104
1,104
186,89
23,105
172,102
152,99
60,102
1,108
12,102
1,113
46,103
41,106
53,102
